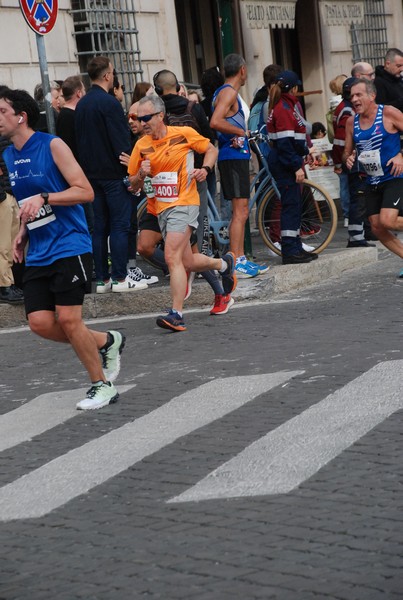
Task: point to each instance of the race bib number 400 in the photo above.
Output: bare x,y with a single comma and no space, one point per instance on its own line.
166,186
371,161
44,215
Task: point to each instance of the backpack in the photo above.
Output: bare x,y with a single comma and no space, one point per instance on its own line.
255,117
257,122
329,123
186,119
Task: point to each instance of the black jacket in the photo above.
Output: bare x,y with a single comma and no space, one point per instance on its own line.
176,105
102,134
389,89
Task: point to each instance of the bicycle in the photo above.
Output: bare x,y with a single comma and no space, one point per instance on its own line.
319,213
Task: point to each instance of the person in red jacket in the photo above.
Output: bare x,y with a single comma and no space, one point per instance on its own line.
355,180
287,133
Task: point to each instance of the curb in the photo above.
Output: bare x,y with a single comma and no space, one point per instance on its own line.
279,280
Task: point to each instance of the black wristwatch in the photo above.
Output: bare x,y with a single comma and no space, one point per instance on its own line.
45,197
207,168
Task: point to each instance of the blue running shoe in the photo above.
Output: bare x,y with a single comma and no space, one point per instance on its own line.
246,270
229,279
400,276
172,321
261,268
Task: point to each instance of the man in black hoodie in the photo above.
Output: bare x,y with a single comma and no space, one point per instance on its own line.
388,80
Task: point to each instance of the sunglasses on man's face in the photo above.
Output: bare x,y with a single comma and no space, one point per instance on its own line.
132,116
147,118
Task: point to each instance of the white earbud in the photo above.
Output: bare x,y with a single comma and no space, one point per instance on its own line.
21,120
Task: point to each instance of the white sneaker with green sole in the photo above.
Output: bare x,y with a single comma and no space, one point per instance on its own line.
100,394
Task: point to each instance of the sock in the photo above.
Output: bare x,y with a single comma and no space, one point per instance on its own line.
178,312
109,341
224,266
241,259
158,260
214,282
131,263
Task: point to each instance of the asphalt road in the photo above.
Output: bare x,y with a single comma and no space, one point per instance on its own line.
257,455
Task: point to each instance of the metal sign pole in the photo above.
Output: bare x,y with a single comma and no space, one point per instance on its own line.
43,64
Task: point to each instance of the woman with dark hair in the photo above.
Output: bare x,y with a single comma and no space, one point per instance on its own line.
287,133
211,80
141,89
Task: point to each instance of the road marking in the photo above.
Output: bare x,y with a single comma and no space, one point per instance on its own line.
286,457
81,469
41,414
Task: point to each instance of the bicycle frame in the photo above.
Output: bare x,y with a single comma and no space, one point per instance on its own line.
261,183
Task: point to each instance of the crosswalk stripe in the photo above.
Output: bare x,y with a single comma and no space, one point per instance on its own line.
41,414
286,457
81,469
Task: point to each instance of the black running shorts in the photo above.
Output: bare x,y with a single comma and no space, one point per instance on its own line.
388,194
234,177
149,222
63,283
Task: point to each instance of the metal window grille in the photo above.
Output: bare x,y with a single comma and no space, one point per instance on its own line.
108,27
369,40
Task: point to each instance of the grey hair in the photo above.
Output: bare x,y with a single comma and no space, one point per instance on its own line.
156,101
232,64
369,85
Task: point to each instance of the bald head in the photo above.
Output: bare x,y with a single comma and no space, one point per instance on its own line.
166,81
363,70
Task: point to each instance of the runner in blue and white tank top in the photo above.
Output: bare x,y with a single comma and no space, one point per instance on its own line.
228,120
374,131
375,146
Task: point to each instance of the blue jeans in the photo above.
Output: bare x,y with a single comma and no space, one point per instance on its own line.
344,193
112,212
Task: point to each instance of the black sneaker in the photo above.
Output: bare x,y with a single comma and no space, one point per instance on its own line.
313,255
11,295
172,321
296,259
361,244
229,279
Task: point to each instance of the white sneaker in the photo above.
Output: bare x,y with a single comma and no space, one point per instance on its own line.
100,394
136,274
307,248
345,223
111,356
128,285
104,286
278,246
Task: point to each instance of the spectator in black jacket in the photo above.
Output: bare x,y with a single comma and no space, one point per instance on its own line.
102,135
388,81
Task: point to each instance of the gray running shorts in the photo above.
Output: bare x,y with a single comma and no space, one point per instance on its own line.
178,218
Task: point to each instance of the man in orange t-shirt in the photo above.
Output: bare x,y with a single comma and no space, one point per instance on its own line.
165,154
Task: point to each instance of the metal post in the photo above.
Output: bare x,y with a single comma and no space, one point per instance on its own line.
43,64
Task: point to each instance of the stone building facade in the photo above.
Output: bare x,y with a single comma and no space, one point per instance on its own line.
317,38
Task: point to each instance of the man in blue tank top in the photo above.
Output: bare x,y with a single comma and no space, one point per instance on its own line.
50,186
375,133
233,158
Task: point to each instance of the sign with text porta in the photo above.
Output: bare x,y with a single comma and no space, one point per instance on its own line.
40,14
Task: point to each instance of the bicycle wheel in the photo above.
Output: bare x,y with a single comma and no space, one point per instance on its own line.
318,220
